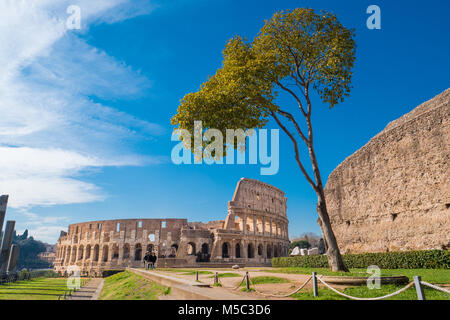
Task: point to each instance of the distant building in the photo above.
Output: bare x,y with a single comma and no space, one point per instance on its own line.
47,256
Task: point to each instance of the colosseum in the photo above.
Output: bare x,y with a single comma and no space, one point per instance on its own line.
394,193
254,230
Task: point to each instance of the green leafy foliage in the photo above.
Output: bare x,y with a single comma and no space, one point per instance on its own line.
299,47
302,244
429,259
29,250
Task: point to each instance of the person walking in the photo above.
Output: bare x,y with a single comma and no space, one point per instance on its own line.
147,259
153,259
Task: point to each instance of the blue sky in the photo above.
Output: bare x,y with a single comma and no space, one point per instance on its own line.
85,132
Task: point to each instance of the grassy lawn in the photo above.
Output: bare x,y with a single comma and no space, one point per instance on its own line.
227,275
192,272
129,286
35,289
364,292
438,276
266,279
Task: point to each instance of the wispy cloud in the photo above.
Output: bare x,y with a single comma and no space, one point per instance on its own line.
51,129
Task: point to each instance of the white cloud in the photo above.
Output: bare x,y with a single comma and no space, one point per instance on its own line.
51,131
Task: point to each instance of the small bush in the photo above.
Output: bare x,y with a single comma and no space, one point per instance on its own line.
429,259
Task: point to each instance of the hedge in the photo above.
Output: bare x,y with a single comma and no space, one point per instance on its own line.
429,259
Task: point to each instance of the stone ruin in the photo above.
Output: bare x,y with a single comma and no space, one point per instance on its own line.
9,253
393,194
254,231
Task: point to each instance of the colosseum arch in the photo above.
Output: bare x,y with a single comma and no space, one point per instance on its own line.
115,254
138,252
96,252
126,251
80,252
88,252
205,248
74,254
237,250
269,251
150,247
173,250
260,250
191,249
105,253
250,251
275,251
225,250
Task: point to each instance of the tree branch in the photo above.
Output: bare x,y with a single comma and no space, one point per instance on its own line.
294,95
291,118
297,156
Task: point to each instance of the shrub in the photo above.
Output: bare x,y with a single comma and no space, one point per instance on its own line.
429,259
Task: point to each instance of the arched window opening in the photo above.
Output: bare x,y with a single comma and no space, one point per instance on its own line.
260,250
238,250
225,250
138,252
250,251
96,251
126,251
105,253
191,249
115,252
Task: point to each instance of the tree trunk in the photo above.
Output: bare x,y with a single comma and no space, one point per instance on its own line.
335,260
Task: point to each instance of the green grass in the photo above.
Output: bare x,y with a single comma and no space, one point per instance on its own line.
438,276
129,286
364,292
227,275
266,279
35,289
199,272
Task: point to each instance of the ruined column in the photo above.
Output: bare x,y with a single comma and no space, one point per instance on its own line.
13,257
6,246
3,204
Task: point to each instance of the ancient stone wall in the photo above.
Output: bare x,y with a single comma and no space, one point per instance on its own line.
394,193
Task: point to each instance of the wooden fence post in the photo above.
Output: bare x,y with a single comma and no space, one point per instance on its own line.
419,288
314,278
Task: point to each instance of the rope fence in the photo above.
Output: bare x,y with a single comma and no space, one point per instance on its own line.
418,283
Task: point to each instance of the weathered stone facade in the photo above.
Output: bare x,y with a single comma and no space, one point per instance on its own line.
393,194
254,231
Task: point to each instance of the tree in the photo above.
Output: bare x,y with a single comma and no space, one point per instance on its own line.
302,244
297,52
